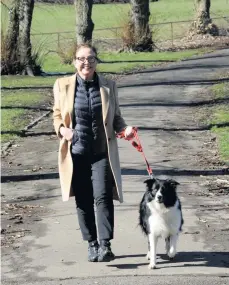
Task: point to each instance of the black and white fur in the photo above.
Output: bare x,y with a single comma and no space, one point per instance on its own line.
160,215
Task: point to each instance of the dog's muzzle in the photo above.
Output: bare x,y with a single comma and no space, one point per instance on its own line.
159,199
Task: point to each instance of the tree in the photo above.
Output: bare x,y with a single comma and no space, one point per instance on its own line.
18,57
140,14
203,23
85,25
24,43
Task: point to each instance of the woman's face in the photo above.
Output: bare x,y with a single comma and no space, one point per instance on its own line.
85,63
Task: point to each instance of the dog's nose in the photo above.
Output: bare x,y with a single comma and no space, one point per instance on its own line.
159,197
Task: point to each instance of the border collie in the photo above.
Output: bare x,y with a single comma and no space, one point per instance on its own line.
160,215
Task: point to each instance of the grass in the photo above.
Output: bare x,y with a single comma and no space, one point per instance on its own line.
12,120
220,90
26,81
16,117
59,18
223,141
21,98
221,115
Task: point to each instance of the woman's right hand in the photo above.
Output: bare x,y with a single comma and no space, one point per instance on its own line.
67,133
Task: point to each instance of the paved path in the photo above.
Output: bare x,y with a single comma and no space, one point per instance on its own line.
160,101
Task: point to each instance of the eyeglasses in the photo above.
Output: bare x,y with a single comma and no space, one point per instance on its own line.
90,59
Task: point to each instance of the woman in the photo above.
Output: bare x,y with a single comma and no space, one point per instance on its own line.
86,119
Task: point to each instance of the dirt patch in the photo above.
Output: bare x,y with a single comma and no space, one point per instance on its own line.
196,41
210,157
217,185
17,217
189,42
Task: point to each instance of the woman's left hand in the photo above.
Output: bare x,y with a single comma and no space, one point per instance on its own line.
129,132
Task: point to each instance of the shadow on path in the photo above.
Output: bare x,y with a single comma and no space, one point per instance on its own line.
179,82
26,108
150,83
25,133
177,104
190,259
124,171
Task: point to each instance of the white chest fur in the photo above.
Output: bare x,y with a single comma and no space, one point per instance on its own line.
164,221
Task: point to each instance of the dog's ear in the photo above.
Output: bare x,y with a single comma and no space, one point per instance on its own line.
149,183
173,183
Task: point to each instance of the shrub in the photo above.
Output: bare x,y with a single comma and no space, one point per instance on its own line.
66,52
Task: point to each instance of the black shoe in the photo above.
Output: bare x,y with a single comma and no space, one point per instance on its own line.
104,253
93,251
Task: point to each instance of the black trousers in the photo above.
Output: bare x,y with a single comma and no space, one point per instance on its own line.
92,184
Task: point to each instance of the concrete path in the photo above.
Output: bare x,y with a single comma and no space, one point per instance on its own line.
162,102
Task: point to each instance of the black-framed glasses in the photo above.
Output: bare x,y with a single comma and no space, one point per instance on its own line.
90,59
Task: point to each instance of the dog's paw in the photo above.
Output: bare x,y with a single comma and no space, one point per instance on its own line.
152,266
171,253
148,255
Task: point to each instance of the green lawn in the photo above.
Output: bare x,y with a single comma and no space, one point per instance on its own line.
223,141
59,18
220,90
221,115
14,114
26,81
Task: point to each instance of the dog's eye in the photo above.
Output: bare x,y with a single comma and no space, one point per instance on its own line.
157,187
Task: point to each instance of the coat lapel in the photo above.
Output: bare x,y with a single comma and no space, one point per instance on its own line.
70,91
105,96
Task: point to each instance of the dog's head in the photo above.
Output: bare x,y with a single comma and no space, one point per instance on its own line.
162,191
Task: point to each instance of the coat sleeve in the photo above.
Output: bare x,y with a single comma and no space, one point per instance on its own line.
118,123
57,118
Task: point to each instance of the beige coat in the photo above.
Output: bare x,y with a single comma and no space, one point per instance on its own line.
64,91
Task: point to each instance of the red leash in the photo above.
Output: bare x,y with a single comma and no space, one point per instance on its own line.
138,147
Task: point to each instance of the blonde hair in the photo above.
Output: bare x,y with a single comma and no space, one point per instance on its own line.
85,45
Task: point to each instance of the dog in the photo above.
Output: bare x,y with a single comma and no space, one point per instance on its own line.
160,215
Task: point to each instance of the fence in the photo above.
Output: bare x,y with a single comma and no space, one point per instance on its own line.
110,38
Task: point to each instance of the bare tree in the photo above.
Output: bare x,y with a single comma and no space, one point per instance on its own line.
203,23
140,14
18,56
24,43
85,25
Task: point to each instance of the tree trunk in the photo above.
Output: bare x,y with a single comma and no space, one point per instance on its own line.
11,39
203,8
18,57
140,18
85,25
203,23
24,43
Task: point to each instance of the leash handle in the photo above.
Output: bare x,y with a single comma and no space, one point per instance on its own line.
138,147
